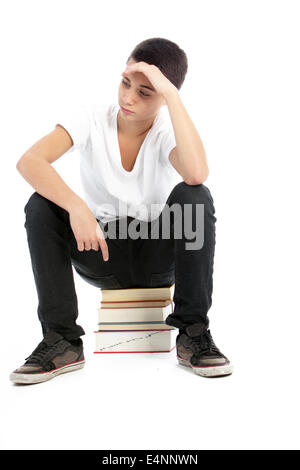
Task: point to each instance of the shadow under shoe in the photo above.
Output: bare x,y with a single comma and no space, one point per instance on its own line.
196,349
53,356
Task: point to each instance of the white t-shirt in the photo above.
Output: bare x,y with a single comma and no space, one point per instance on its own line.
111,191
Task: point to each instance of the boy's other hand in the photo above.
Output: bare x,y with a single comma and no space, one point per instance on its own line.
87,231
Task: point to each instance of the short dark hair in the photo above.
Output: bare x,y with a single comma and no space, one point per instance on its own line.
166,55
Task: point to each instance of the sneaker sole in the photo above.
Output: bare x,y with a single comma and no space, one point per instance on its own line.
208,371
44,376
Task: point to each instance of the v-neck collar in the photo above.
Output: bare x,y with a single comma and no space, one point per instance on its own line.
118,151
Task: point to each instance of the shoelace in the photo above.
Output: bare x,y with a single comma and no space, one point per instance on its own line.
38,354
204,344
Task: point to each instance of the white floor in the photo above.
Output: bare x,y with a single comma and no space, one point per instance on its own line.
149,401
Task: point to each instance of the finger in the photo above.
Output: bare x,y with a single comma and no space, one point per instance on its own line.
99,234
139,67
102,243
87,246
104,249
95,245
80,246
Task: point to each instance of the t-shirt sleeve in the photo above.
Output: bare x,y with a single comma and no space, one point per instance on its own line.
168,142
76,121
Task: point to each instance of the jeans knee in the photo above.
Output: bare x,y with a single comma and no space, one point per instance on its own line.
40,211
187,193
32,210
34,202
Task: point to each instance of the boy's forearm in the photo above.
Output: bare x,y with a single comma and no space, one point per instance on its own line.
188,142
46,181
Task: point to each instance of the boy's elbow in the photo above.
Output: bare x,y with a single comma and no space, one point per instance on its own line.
206,174
198,179
18,165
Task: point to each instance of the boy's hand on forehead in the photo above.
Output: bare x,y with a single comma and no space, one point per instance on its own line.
158,80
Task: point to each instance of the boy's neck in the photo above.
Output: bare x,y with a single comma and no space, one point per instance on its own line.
133,129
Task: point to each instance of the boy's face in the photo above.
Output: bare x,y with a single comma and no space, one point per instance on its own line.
133,95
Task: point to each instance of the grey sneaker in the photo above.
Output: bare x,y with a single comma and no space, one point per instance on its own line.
53,356
196,349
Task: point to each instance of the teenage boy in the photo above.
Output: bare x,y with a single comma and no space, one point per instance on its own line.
133,156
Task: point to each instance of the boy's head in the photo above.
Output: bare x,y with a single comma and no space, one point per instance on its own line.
166,55
144,102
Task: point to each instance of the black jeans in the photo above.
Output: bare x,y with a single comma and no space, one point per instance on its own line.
140,262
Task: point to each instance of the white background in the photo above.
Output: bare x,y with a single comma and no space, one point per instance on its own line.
242,92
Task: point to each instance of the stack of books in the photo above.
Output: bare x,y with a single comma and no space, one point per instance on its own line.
133,320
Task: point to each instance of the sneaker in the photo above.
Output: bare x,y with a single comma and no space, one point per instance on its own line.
196,349
53,356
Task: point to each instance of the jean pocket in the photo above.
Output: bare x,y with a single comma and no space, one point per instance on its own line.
163,279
